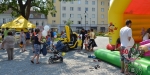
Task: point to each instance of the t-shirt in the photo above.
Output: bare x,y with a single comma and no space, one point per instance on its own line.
5,33
146,36
125,32
27,35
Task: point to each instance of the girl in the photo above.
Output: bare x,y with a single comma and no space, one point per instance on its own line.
23,41
146,34
86,42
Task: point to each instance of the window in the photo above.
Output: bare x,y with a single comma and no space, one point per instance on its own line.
86,2
10,19
54,1
102,9
79,1
64,8
72,22
31,16
42,16
72,15
93,15
79,22
42,23
71,2
102,15
93,9
86,22
79,15
64,1
53,21
93,2
64,22
4,20
93,22
102,22
102,2
86,9
79,8
54,7
37,23
71,8
54,15
63,15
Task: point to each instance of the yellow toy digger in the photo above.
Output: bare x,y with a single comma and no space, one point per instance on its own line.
71,40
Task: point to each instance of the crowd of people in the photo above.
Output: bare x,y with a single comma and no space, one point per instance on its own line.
35,37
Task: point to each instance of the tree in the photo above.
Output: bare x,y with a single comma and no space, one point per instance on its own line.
69,22
22,7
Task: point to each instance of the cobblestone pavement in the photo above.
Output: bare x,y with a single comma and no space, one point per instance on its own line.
75,63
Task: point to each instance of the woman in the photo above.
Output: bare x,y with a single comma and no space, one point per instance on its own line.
23,40
8,44
92,41
37,46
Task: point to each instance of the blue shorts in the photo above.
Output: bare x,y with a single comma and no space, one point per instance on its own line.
126,61
37,48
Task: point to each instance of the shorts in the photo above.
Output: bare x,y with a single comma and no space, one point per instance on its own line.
37,48
27,38
126,61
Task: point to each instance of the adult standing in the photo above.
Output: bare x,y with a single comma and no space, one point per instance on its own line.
83,37
23,40
52,35
125,37
37,46
92,41
8,44
28,37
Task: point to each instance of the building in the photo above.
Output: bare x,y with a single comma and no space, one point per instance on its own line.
54,20
35,18
76,11
103,6
38,19
96,14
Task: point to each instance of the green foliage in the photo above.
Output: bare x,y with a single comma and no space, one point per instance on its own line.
69,22
22,7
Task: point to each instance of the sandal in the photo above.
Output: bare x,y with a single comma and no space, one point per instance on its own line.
38,63
32,61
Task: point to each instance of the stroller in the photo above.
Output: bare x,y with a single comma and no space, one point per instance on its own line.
56,52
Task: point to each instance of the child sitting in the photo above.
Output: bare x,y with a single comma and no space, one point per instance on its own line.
118,43
86,42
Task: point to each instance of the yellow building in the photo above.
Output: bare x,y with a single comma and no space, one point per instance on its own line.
103,6
54,20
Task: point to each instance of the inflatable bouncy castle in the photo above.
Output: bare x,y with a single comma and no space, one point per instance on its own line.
138,11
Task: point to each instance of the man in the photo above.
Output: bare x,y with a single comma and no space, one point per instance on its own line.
83,37
125,36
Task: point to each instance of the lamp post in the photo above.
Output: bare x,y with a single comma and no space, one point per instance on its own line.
85,19
81,21
90,23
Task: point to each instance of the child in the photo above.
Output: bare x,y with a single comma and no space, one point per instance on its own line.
49,40
118,43
146,35
86,42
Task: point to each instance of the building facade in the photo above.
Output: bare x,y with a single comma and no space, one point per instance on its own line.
103,6
54,20
82,13
96,14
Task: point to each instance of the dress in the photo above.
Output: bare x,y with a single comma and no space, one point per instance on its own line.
23,39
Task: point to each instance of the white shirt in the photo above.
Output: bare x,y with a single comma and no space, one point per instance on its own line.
125,32
146,36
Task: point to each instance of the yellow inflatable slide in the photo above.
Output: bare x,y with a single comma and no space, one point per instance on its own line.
135,10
